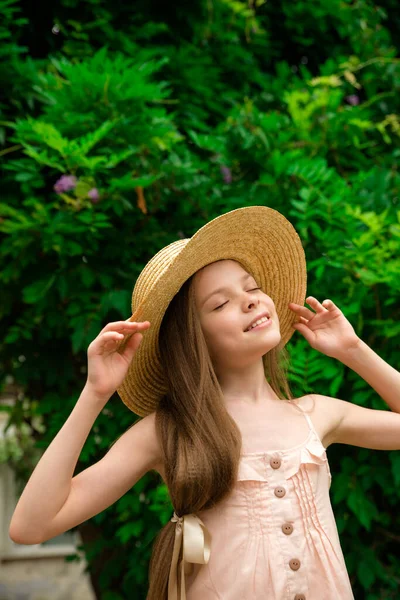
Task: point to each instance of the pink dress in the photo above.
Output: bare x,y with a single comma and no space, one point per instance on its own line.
275,536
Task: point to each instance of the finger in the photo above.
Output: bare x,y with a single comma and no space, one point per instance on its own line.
302,310
328,304
126,326
301,321
315,304
305,332
131,346
110,336
105,340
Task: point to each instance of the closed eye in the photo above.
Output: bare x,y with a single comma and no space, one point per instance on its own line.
221,305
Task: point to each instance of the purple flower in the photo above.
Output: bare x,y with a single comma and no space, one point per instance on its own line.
94,195
227,175
65,183
353,99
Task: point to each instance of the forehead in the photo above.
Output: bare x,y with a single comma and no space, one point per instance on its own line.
218,272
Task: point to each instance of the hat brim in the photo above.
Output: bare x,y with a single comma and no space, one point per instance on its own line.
263,241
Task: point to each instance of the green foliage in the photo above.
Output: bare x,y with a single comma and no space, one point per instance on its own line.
163,120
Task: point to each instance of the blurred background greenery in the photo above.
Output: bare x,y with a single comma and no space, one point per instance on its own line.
124,127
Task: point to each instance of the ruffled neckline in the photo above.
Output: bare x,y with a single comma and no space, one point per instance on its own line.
284,450
252,466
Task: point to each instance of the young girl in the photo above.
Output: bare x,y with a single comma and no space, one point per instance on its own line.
202,360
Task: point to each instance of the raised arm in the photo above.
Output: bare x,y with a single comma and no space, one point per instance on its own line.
53,500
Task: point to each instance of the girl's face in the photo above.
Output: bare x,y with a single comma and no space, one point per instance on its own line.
226,314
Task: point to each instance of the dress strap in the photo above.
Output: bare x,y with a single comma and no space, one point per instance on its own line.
310,423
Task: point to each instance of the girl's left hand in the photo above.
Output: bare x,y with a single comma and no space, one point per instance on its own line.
326,330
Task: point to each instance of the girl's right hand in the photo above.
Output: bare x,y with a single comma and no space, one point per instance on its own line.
107,367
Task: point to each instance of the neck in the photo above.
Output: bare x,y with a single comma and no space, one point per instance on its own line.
247,385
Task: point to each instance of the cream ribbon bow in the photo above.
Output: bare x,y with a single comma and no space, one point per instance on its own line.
196,539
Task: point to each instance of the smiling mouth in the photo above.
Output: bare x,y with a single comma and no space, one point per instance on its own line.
260,326
261,317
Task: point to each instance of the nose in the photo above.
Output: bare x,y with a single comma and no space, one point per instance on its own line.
252,303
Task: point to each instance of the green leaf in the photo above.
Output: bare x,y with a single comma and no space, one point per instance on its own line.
116,299
130,530
129,182
363,509
85,143
37,290
207,142
366,570
43,158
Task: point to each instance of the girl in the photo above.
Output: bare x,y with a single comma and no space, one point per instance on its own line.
202,359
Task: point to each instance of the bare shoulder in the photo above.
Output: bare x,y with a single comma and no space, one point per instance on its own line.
325,413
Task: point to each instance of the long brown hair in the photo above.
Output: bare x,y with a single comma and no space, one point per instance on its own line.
201,443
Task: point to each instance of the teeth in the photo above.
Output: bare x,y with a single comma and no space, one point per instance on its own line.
262,320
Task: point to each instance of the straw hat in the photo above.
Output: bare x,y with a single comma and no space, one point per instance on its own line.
261,239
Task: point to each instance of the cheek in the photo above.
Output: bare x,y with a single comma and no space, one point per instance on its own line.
220,328
226,327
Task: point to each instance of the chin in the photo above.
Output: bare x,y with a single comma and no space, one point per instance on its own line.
272,343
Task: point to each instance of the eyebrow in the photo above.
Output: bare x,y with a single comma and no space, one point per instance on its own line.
223,289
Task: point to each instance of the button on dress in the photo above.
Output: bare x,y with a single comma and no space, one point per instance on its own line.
275,536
